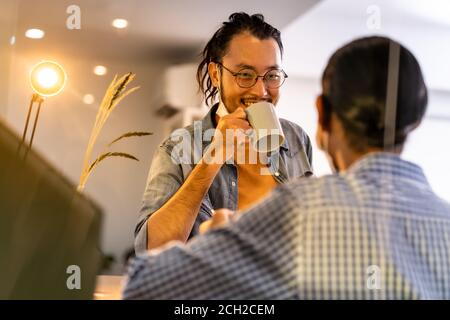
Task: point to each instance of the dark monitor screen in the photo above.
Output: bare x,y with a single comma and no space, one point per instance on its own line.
49,232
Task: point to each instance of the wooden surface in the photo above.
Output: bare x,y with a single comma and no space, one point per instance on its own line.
109,287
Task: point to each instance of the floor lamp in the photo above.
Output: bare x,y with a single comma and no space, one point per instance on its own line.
47,79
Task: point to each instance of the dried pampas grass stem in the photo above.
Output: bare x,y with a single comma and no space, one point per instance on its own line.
114,94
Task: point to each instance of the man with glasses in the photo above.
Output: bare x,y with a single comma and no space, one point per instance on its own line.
241,66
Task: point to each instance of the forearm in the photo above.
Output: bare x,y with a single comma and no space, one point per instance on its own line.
175,219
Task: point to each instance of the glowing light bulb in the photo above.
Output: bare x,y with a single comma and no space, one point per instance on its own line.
47,78
34,33
120,23
100,70
88,98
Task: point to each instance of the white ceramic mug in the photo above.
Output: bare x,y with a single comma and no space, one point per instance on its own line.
267,133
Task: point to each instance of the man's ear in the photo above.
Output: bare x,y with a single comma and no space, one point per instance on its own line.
213,74
321,114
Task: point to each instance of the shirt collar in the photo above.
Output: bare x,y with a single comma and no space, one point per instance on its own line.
381,163
285,145
209,121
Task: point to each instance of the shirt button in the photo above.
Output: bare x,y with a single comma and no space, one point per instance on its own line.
233,183
277,174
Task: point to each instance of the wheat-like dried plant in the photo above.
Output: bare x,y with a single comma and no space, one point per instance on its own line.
114,94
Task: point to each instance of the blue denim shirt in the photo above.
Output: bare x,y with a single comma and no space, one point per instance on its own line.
168,171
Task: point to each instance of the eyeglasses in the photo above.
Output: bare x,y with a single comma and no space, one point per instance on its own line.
247,78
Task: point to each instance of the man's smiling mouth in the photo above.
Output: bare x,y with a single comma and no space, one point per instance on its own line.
249,102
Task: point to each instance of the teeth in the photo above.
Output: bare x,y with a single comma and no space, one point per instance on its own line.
248,103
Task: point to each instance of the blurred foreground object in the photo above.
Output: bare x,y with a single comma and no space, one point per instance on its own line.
48,230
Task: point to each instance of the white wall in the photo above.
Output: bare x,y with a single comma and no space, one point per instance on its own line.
8,15
297,104
310,40
427,145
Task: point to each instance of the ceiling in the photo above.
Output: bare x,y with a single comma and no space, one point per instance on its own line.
173,28
176,30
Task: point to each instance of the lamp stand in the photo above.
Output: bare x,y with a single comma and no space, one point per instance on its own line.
35,98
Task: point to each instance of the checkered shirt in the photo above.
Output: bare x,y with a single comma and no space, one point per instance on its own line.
375,231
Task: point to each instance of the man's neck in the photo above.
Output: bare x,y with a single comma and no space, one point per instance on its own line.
217,119
346,158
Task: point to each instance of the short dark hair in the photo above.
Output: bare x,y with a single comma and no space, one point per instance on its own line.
217,46
354,86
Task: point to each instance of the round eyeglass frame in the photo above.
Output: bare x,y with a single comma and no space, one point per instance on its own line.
236,74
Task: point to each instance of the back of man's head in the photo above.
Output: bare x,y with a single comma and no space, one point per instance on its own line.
355,86
217,46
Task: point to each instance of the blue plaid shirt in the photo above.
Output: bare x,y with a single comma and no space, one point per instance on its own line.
376,231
